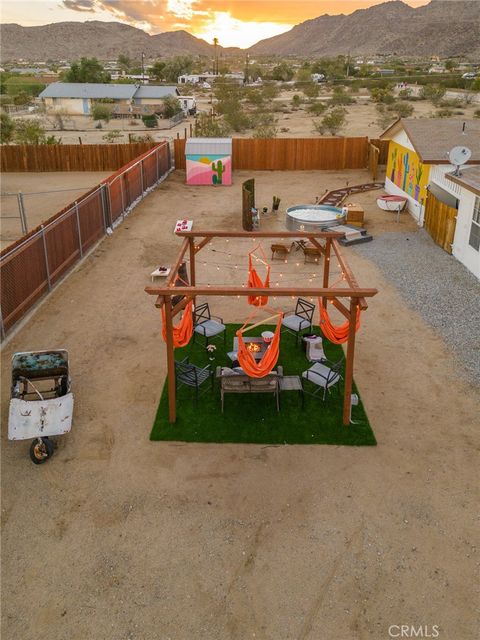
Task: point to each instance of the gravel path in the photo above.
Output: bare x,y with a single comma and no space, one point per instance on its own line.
440,288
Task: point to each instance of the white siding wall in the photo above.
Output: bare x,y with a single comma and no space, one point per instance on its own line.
462,251
71,105
437,175
402,138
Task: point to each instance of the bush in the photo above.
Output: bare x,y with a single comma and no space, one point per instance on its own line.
433,92
340,97
112,136
311,90
101,112
22,98
405,94
296,101
317,108
476,113
266,131
7,128
385,116
171,106
207,126
332,122
237,120
443,113
29,132
401,108
383,95
150,121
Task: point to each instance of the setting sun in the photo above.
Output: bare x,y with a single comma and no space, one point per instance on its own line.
237,33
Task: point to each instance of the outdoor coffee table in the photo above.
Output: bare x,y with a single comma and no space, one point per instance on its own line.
292,383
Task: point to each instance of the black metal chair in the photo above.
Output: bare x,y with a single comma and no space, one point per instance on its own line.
324,376
300,319
190,375
206,325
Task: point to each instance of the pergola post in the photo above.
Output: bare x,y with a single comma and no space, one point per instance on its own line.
347,396
172,405
191,245
326,267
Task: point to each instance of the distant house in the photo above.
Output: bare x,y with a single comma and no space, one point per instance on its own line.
466,242
418,160
78,98
209,78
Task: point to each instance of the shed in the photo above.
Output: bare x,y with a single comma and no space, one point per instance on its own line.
209,161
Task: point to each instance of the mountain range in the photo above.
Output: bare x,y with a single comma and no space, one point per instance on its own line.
443,28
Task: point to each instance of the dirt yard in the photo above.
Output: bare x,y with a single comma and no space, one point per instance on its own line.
119,538
44,195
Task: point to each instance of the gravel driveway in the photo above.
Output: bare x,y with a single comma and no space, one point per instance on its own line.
435,284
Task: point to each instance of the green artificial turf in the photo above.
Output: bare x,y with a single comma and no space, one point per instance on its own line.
253,418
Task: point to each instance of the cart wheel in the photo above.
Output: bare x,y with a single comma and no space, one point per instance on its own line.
41,450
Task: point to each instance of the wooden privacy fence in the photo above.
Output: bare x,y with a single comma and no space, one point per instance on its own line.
440,221
373,156
291,154
382,146
70,157
32,266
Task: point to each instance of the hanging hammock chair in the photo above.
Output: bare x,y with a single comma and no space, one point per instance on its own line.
269,359
184,329
337,334
255,282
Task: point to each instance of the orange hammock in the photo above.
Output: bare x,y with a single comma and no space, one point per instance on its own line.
184,330
335,333
254,282
262,368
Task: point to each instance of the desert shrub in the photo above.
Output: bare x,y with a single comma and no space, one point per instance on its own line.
401,108
383,95
332,122
311,90
433,92
296,101
282,71
284,129
405,94
270,91
237,120
207,126
450,103
52,140
112,136
266,131
101,112
29,132
340,97
476,113
150,121
254,97
443,113
22,98
317,108
384,116
146,138
7,128
171,106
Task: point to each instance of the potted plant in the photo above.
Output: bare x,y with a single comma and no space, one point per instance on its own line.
211,348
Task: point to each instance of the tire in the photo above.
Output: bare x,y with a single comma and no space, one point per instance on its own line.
41,450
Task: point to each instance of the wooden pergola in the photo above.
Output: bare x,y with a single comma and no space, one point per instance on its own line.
326,241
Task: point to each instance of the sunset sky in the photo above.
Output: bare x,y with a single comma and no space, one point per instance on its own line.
234,22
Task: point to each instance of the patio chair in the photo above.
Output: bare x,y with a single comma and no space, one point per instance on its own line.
300,319
207,325
311,254
323,376
280,251
190,375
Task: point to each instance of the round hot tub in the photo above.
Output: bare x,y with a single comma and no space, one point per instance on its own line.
313,217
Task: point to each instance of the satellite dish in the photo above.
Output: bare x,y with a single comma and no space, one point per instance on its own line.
459,156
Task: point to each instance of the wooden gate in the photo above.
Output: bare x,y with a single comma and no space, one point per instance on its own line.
440,221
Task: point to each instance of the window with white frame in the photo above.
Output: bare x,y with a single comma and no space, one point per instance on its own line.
474,240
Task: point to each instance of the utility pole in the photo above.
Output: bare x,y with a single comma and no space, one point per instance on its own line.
246,68
215,64
143,68
348,64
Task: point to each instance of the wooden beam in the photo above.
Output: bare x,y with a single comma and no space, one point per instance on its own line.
159,302
172,404
202,244
180,305
326,268
318,246
260,234
347,396
352,281
203,290
191,246
341,307
174,272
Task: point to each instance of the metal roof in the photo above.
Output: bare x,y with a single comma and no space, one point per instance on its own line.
197,146
432,138
89,90
152,91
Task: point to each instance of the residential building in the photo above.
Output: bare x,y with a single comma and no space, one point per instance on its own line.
466,242
209,78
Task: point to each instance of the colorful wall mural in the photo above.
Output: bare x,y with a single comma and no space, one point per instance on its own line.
405,169
209,169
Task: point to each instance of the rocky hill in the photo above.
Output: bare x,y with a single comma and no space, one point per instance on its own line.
104,40
440,28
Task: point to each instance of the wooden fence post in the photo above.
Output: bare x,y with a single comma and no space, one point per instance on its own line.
45,253
347,398
172,401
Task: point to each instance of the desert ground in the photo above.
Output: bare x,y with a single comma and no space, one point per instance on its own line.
120,538
44,195
362,119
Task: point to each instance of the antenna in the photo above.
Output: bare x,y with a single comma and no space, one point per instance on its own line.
459,156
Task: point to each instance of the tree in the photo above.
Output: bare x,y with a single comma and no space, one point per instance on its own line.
29,132
124,62
311,90
282,72
15,85
340,97
101,111
208,127
171,106
432,92
401,108
382,94
450,65
317,108
113,135
157,71
332,122
177,66
87,70
7,128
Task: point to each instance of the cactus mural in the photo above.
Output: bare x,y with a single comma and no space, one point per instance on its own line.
219,169
418,178
411,177
394,160
406,167
398,181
